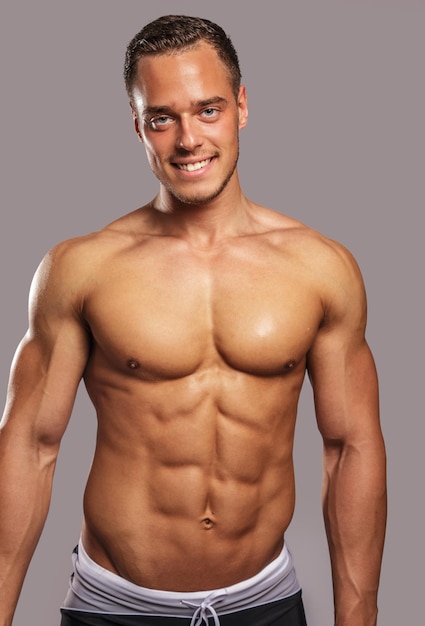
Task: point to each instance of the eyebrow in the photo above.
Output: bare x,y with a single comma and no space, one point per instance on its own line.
209,101
150,110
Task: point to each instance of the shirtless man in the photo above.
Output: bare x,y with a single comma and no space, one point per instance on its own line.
193,321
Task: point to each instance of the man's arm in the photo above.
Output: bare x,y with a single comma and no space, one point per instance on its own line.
45,375
344,380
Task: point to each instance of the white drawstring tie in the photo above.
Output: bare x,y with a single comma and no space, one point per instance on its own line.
206,608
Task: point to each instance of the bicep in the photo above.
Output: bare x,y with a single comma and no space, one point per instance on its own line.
345,387
340,364
43,383
48,364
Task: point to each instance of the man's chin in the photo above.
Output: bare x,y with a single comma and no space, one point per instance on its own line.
196,199
193,196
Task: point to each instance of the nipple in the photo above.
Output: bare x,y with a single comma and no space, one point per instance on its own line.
290,364
133,364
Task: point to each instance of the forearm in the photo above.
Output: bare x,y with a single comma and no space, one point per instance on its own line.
25,488
354,499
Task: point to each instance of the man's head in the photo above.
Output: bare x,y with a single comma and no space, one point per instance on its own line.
183,79
172,34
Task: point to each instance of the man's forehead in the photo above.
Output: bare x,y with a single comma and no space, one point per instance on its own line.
200,60
197,72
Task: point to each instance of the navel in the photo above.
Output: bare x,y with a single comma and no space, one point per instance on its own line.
207,523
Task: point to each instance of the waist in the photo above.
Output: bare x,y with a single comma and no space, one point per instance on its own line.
95,589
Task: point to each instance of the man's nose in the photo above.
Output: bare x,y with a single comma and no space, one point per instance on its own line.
188,138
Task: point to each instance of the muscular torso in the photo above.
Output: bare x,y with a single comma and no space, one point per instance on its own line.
197,361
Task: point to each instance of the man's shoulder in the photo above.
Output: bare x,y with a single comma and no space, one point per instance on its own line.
323,262
293,235
89,249
77,255
73,263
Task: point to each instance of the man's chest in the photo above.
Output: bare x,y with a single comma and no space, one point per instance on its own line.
174,315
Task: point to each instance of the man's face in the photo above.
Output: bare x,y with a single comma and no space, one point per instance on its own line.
187,116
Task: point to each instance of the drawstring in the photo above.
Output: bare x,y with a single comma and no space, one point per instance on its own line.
201,613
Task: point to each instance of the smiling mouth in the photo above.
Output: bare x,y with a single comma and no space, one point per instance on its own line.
192,167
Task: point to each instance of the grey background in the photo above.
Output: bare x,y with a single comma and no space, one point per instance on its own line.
335,138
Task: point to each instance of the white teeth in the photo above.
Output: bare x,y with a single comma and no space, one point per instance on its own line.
191,167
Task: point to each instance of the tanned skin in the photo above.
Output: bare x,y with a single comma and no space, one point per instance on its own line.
193,322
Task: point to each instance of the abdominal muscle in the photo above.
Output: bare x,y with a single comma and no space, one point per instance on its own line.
191,486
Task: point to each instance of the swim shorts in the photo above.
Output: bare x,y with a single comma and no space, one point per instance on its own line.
98,597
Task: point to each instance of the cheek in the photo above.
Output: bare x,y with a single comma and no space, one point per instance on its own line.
158,148
229,132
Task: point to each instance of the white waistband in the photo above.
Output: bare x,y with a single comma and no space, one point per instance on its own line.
95,589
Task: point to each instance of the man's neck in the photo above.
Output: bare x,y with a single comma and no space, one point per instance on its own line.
206,224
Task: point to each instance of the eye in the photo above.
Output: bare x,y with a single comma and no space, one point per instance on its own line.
159,122
210,113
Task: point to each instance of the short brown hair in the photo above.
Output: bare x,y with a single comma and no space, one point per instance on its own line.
173,33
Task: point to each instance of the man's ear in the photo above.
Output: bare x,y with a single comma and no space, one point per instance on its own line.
136,123
242,107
